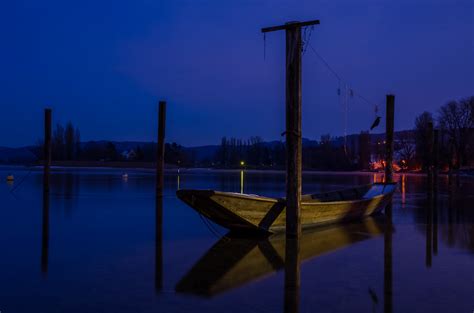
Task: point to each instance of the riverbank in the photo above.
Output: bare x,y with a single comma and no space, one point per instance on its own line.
150,167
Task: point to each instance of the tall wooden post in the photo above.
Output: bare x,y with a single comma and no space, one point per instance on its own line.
429,153
389,124
47,149
293,123
160,158
435,158
293,131
293,158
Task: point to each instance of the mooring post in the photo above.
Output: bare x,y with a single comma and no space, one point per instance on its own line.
47,149
293,159
429,153
389,124
435,158
293,131
293,122
160,167
160,159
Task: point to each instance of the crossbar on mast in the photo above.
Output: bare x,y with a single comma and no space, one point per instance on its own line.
289,25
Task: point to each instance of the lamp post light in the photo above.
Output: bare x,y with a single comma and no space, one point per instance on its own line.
242,165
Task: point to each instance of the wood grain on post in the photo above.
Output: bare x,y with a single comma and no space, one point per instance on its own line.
160,159
390,123
293,132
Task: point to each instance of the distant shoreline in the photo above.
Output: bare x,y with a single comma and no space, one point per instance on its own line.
150,167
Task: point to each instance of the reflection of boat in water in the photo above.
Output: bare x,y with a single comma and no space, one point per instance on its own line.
242,212
233,262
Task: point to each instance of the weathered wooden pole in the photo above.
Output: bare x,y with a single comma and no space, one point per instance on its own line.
389,125
429,153
293,131
435,222
293,158
388,262
160,158
47,149
435,159
293,123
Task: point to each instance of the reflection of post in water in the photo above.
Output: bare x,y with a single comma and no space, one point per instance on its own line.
241,181
292,275
46,181
435,220
45,233
46,149
178,182
429,230
159,242
403,190
388,271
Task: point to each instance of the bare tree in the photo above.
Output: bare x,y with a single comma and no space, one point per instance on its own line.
421,138
406,150
455,119
58,143
69,141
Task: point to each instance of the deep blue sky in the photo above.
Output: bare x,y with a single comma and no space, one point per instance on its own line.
105,64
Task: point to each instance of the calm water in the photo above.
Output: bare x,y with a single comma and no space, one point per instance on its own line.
97,245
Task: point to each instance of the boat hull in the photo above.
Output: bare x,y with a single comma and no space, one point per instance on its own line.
240,212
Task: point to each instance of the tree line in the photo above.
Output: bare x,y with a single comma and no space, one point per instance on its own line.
455,122
255,153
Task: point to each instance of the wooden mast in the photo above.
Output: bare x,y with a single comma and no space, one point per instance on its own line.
390,113
293,159
293,123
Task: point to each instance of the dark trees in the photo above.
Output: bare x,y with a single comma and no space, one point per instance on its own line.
421,138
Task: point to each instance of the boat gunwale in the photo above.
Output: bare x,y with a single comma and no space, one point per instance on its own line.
275,200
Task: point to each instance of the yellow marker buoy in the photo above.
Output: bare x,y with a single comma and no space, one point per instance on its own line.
10,178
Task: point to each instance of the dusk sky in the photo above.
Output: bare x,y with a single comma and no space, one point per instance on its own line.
105,64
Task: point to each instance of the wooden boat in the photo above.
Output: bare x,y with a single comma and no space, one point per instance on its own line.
233,262
242,212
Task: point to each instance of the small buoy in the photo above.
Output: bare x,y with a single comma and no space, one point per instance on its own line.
10,178
125,176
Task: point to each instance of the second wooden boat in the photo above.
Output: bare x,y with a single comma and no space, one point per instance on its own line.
242,212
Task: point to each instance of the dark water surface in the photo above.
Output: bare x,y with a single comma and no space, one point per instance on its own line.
100,244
